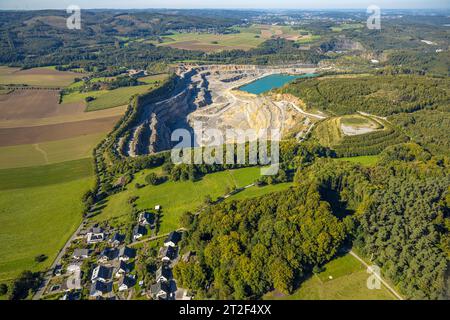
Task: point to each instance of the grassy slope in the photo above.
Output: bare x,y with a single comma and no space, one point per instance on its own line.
39,219
49,152
174,197
348,282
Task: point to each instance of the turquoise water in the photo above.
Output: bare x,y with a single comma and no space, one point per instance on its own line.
273,81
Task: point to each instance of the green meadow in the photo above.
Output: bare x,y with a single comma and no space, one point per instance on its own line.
40,208
343,278
175,198
105,99
245,40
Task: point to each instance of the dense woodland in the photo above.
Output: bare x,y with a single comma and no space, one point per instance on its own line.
379,95
246,248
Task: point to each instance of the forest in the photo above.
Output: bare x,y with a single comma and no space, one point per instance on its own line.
381,95
247,248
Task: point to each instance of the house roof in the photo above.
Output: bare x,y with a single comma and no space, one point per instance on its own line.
127,252
139,230
80,252
159,286
164,271
169,252
124,266
117,237
150,217
103,287
96,230
173,237
128,281
110,253
104,272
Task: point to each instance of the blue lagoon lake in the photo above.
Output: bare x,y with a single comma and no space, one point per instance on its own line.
272,81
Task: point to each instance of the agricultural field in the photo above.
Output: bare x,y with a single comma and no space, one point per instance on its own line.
40,208
35,104
212,42
105,99
39,77
26,155
247,38
343,278
52,132
346,26
175,198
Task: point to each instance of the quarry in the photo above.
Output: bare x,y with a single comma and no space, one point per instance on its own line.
210,95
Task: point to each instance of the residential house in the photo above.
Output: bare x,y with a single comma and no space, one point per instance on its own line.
126,253
79,254
163,274
138,232
99,288
117,239
95,235
172,239
125,283
122,269
168,254
101,273
157,207
160,290
57,271
146,218
108,254
72,295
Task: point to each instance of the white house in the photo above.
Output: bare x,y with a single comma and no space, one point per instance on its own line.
95,235
122,269
138,232
99,288
125,283
80,254
160,290
163,274
146,218
172,239
101,273
126,253
168,254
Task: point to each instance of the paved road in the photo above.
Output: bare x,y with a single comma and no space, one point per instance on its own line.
395,293
306,113
48,275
